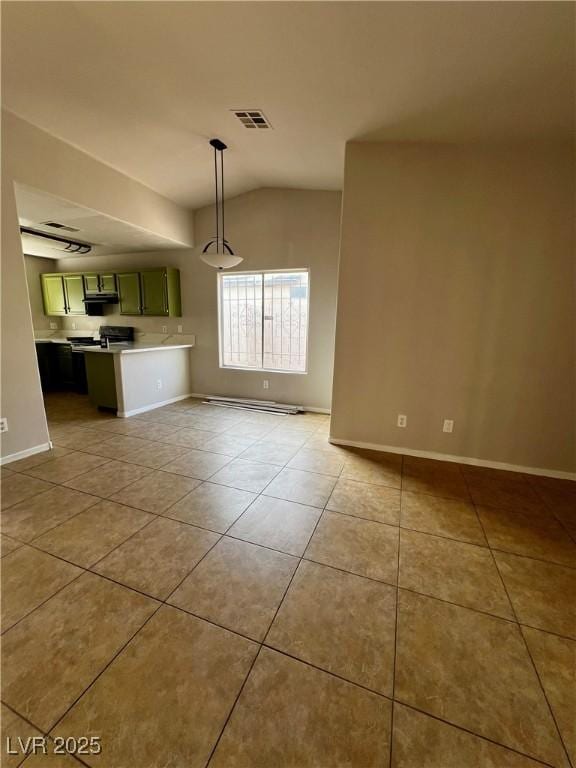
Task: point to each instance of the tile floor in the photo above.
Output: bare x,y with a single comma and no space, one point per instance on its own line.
199,586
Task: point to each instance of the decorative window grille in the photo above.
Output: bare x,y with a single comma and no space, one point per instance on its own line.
263,320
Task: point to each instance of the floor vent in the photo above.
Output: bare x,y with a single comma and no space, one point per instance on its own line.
263,406
252,118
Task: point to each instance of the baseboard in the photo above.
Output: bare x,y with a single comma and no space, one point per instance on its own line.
152,407
24,454
458,459
306,407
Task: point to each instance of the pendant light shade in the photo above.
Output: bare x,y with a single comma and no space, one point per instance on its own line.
217,252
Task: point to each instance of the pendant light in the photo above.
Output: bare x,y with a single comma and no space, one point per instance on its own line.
217,252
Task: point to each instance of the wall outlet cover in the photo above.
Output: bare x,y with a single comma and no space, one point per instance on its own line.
179,329
164,329
3,425
266,384
159,384
448,425
53,326
402,420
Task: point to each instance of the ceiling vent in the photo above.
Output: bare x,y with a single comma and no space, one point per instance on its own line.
252,118
56,225
31,239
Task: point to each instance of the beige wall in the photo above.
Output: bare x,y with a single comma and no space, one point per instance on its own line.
456,300
272,229
21,396
34,158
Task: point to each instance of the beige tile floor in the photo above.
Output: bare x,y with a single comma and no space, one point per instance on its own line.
200,586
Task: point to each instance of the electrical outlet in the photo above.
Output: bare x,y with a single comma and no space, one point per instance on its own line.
164,329
73,326
158,384
448,425
3,425
266,384
179,329
402,420
53,326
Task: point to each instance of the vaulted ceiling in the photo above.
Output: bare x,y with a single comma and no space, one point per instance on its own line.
144,85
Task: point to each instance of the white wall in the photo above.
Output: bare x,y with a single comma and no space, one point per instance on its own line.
139,373
457,300
272,229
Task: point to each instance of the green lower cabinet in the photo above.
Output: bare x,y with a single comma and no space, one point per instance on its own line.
74,285
53,294
129,299
101,379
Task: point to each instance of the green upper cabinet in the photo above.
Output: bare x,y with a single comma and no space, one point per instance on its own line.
154,292
92,283
143,292
53,294
74,286
108,283
129,293
103,283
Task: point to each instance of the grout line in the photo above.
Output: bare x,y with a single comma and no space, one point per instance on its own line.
301,559
472,733
396,618
26,755
526,646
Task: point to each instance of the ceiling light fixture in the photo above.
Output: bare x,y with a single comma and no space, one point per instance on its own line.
223,257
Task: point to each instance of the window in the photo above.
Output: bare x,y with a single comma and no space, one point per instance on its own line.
263,320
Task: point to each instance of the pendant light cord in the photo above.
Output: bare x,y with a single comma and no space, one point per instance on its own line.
222,196
217,211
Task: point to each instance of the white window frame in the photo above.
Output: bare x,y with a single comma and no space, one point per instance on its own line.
221,276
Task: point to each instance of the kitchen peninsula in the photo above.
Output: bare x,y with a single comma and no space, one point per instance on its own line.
133,377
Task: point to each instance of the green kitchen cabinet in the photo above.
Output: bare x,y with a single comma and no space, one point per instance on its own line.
129,298
108,283
74,287
161,292
92,283
102,283
53,294
154,292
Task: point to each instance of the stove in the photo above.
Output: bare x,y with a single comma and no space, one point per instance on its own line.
116,334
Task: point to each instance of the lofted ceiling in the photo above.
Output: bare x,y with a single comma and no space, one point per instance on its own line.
142,86
104,233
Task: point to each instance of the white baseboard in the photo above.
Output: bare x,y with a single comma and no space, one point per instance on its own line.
24,454
152,407
458,459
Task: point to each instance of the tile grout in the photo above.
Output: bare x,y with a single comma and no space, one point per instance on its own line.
301,559
522,636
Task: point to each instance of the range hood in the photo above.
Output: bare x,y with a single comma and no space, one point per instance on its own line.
101,298
95,304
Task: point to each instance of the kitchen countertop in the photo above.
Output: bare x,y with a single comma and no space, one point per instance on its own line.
119,348
127,348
